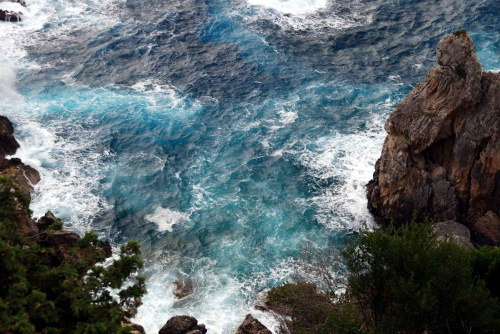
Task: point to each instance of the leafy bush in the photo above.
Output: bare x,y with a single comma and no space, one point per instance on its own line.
400,280
405,281
39,298
460,32
57,225
312,311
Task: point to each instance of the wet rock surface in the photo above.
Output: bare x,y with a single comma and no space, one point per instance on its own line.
182,324
441,158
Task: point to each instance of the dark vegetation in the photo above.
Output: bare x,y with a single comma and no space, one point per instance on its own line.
401,280
79,296
460,32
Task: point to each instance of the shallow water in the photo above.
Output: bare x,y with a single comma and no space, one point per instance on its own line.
220,134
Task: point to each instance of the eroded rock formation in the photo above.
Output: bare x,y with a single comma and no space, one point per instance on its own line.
441,158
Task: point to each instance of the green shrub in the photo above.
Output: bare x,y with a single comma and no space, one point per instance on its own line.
400,280
56,226
460,32
312,311
38,298
405,281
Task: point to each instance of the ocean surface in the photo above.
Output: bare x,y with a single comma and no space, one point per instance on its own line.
221,134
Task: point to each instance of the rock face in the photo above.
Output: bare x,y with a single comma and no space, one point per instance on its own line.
182,324
24,176
252,326
441,158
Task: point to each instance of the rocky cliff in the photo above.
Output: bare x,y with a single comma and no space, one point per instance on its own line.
441,157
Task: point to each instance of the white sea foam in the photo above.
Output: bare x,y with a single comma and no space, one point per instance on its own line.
166,218
12,6
287,117
70,173
319,16
295,7
218,299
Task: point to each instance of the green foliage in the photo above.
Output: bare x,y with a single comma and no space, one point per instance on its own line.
72,297
405,281
486,265
312,311
401,280
460,32
56,226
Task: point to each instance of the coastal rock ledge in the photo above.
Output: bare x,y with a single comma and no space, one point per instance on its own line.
441,158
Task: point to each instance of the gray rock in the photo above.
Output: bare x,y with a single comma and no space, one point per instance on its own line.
455,232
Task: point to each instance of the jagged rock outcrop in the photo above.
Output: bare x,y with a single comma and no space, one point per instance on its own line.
441,158
183,324
252,326
62,242
23,175
10,16
25,178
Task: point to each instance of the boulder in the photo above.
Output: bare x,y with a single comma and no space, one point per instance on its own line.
252,326
182,324
47,220
455,232
10,16
441,157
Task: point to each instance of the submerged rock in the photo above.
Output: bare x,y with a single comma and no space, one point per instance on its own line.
441,158
182,324
183,288
252,326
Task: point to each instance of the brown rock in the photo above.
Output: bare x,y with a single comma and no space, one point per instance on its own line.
63,242
182,325
441,157
24,176
252,326
47,220
487,229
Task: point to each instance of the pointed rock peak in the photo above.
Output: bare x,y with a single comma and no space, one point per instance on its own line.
456,50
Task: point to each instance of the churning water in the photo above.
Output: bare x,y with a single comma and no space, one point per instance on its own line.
221,134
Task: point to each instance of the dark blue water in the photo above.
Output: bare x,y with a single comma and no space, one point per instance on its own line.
220,134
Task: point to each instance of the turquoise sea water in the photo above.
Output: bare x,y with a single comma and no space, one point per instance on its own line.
220,134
